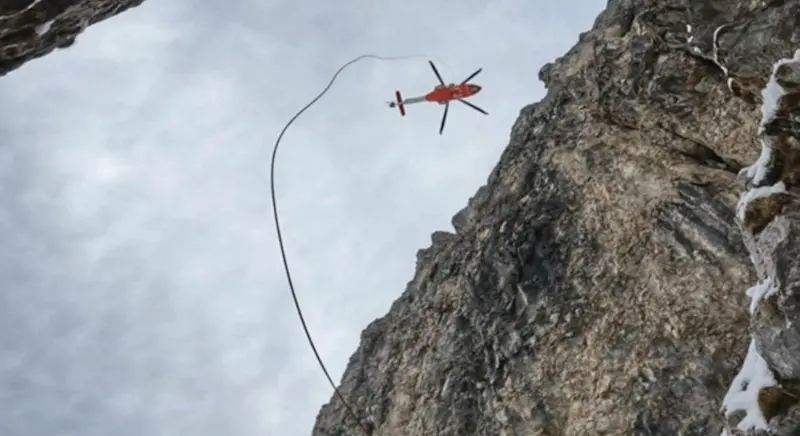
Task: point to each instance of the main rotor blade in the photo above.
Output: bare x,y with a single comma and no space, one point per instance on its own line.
444,117
472,76
474,107
435,71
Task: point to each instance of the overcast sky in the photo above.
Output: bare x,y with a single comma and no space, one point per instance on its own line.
141,289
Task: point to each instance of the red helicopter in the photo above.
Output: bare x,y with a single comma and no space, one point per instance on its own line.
443,94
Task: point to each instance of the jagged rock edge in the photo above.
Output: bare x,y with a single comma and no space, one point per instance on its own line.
755,376
42,26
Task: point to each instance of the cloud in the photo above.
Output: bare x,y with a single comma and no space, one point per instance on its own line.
142,285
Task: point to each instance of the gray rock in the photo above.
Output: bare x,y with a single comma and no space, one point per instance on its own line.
596,284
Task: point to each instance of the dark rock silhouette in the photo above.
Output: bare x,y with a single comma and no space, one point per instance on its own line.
33,28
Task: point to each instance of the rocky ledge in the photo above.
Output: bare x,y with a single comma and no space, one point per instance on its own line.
598,283
33,28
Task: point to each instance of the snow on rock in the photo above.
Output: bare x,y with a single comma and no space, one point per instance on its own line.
44,28
759,292
758,171
743,393
765,232
771,96
756,193
774,91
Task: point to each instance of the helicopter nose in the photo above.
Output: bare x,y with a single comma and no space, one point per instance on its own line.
476,89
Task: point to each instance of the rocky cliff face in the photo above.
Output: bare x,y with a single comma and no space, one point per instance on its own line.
622,272
33,28
598,283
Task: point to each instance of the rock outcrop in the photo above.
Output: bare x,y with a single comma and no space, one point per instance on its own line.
597,284
768,386
33,28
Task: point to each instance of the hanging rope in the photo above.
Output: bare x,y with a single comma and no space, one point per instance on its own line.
280,236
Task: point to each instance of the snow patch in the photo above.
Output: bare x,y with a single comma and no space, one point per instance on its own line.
774,91
743,393
755,193
758,171
755,373
771,95
714,56
759,292
715,49
44,28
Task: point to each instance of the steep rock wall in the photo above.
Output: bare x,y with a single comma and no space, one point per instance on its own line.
596,284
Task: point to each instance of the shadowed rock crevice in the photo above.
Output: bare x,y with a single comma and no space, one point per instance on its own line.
700,228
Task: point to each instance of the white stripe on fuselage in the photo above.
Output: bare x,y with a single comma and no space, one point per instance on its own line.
413,100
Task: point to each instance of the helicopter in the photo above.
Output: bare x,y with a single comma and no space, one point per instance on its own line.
442,94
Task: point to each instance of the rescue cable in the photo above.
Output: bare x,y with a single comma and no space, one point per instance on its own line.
280,236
